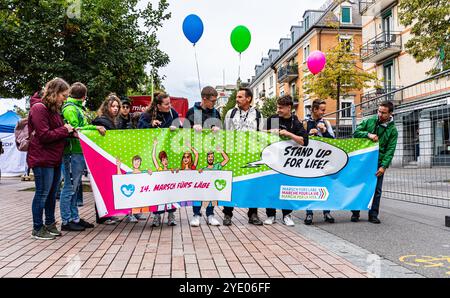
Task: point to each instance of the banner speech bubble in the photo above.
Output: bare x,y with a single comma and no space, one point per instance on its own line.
318,159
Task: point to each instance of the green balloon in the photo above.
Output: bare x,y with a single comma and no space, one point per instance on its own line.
241,38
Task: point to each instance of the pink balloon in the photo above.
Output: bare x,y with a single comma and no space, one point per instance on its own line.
316,62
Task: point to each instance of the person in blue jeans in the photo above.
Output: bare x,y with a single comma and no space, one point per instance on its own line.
44,156
319,127
73,161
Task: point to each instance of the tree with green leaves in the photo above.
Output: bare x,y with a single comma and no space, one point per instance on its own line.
105,44
231,104
430,27
269,107
341,76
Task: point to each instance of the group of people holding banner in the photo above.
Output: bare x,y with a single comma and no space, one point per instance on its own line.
55,119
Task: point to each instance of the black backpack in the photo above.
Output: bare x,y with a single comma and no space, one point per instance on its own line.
258,116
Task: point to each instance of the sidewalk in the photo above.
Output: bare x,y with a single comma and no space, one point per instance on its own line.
138,250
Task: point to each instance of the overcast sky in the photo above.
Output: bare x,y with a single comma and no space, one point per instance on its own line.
267,20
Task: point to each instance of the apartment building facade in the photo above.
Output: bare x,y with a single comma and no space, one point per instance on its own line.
422,110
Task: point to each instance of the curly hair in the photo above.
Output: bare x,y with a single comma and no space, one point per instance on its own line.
52,90
106,105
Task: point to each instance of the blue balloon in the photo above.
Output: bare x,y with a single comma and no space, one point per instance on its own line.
193,28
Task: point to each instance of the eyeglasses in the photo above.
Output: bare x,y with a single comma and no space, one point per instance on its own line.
126,107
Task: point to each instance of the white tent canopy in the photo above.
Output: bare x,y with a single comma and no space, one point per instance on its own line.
12,162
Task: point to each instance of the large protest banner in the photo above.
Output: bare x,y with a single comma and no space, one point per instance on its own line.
141,168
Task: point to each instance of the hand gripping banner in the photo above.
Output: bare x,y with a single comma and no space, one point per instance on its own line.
158,169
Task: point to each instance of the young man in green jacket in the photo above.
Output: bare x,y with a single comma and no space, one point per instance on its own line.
380,128
73,160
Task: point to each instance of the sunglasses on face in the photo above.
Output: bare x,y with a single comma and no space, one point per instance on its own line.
126,107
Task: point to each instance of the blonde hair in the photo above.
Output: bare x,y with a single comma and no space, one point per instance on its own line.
106,105
51,92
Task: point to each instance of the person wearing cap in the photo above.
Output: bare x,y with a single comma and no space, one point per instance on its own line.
124,121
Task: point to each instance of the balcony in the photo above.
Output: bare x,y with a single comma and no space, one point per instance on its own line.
373,98
373,7
381,47
287,73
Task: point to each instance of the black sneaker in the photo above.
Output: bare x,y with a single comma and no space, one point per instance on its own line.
42,234
309,219
355,217
254,220
85,224
72,227
227,220
328,218
374,220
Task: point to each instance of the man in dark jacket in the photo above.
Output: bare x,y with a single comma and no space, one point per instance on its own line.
125,120
285,124
380,128
204,116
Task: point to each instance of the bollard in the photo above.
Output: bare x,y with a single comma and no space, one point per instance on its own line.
447,221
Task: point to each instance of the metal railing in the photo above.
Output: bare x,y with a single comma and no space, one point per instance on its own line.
386,43
288,72
373,98
420,171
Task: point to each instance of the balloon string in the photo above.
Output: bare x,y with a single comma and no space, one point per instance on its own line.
198,70
239,71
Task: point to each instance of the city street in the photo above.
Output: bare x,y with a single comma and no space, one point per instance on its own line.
412,241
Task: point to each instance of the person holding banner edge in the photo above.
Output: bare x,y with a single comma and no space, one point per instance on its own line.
315,125
381,129
286,125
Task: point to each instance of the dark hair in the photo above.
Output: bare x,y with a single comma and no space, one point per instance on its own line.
137,157
285,101
248,92
209,92
158,99
317,103
162,155
78,90
389,105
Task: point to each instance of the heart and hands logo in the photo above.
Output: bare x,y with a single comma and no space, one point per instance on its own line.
220,184
128,190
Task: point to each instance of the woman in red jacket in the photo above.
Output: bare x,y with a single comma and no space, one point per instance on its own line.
45,152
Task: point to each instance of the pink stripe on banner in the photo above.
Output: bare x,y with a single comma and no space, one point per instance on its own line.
102,171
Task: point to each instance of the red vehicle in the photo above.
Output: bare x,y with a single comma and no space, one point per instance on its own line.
140,103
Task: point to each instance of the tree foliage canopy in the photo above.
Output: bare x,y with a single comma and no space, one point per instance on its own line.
430,21
105,44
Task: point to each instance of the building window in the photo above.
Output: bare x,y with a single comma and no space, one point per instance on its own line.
293,36
271,82
305,53
306,23
346,104
346,15
348,42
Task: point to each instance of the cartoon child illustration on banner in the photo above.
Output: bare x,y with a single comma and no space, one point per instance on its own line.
215,167
136,213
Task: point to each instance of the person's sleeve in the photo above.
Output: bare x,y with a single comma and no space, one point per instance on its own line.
190,117
361,131
176,119
42,129
301,131
144,122
267,125
70,115
329,133
391,146
227,122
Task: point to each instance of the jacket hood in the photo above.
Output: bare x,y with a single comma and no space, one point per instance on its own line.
35,99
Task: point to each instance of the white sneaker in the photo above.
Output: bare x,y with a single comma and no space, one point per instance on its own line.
270,220
195,222
287,220
212,221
